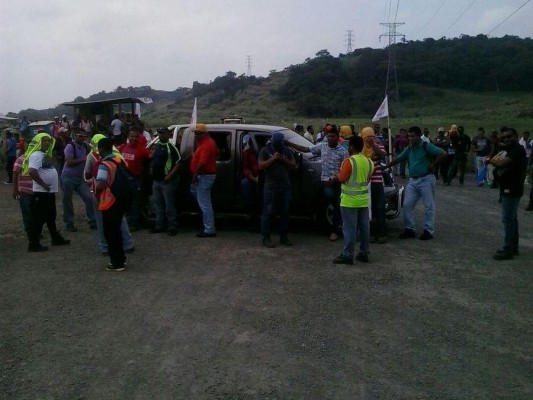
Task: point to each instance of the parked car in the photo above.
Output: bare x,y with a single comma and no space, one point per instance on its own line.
306,186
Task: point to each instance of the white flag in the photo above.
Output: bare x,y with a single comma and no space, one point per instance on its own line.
383,110
138,110
194,115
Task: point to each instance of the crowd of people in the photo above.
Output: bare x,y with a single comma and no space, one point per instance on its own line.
107,172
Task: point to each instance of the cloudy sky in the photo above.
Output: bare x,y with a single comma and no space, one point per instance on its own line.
52,51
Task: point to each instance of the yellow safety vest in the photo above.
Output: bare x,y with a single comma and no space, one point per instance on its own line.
354,192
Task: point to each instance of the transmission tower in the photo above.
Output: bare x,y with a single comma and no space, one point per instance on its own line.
391,83
349,38
249,63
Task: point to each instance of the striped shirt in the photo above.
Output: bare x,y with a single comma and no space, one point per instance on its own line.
25,182
377,175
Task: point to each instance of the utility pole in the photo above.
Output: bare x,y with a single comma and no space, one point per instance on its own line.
349,38
249,63
391,83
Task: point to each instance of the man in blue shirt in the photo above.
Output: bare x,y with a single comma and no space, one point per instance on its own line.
422,158
11,155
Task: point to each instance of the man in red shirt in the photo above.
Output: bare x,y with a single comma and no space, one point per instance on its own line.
203,169
137,158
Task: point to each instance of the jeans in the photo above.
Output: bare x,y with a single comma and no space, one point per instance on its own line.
127,240
165,203
510,222
71,184
332,195
355,220
481,169
201,190
458,164
112,220
275,199
377,193
422,188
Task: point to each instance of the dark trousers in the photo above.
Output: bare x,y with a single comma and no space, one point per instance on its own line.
332,195
112,220
43,211
510,222
275,199
458,165
378,209
10,162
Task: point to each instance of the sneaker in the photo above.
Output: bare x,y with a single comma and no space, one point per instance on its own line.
172,232
515,252
71,228
426,235
130,250
503,255
7,183
362,257
112,267
58,240
36,249
381,239
407,234
285,241
268,243
205,235
156,230
342,259
333,237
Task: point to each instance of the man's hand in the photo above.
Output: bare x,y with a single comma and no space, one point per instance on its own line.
16,193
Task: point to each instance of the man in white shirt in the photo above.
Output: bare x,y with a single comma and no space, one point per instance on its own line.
116,126
45,185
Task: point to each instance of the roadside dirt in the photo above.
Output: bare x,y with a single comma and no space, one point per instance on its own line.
225,318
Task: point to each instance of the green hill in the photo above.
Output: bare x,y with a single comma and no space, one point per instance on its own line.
473,81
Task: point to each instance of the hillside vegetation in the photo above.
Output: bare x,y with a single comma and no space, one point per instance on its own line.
474,81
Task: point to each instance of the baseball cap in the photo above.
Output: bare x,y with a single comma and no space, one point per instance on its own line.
200,128
441,129
64,116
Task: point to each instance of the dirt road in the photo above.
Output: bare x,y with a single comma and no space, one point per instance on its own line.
225,318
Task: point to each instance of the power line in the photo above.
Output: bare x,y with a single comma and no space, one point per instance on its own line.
249,63
515,11
431,19
459,17
349,39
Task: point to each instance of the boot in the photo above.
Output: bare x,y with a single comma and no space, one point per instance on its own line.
530,206
58,240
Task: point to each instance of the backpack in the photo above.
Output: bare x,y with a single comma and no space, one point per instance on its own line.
124,187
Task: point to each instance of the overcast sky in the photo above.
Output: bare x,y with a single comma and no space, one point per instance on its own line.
52,51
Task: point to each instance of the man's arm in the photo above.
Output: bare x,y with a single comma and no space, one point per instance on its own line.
35,176
303,149
69,156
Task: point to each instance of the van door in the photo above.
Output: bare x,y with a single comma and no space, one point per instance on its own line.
224,193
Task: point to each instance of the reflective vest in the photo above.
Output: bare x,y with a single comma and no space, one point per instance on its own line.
354,192
107,198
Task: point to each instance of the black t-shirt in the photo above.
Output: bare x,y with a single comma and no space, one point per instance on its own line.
159,160
277,175
461,143
511,177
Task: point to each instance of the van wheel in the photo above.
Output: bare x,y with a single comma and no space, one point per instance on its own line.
325,217
148,211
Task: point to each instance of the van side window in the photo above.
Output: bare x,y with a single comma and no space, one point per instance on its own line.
223,142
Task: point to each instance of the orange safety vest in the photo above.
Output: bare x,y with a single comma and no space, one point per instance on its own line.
107,199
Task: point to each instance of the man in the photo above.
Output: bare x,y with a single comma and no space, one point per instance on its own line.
23,126
249,179
461,147
90,172
510,166
310,134
38,164
422,158
527,144
86,125
137,158
165,166
481,147
116,129
110,204
65,125
332,154
11,156
276,161
400,143
355,175
425,135
72,181
375,152
203,169
56,127
442,142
